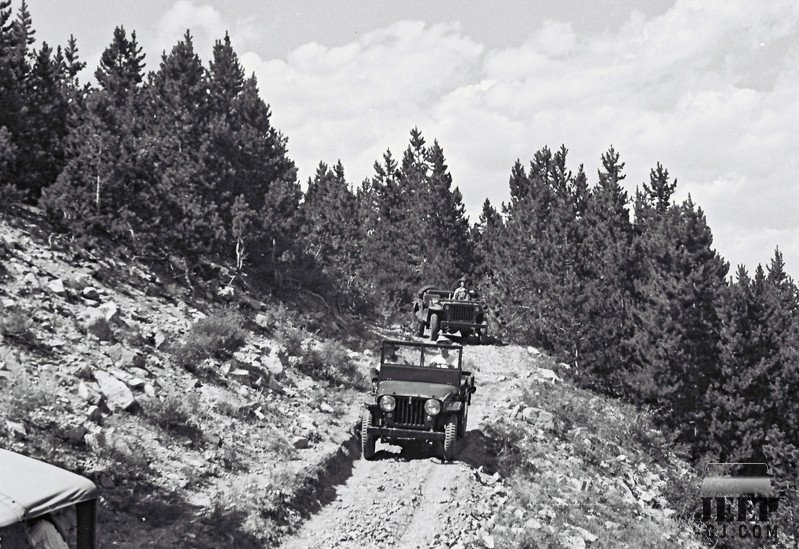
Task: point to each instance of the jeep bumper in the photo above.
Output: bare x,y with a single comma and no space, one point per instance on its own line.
393,432
456,325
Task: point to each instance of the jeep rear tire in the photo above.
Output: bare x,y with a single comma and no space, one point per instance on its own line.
435,326
450,436
367,440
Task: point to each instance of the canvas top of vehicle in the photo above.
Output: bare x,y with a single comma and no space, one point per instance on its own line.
30,488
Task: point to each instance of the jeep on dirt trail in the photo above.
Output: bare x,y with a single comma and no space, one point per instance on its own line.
438,310
420,392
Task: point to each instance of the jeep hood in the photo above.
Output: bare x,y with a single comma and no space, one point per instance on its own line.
417,389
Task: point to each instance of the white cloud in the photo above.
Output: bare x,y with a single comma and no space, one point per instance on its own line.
706,88
206,24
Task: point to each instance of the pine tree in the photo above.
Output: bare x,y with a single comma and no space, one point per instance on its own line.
41,140
10,94
604,265
331,231
121,66
678,288
72,63
753,399
452,251
226,77
103,188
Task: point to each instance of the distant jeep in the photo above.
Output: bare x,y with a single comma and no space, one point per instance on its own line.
436,309
420,392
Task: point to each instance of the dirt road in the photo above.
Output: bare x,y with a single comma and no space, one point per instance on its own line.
410,498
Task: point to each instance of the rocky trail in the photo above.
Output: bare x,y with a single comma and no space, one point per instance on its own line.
408,497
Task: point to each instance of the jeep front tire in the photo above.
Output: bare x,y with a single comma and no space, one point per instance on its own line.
450,436
367,440
435,326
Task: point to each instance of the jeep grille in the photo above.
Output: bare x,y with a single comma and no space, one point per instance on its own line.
409,411
461,313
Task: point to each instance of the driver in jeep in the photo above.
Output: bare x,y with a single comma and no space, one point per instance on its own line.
461,293
444,358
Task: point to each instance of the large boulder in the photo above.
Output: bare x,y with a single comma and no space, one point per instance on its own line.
117,394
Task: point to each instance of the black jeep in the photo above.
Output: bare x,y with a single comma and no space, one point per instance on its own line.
420,392
438,310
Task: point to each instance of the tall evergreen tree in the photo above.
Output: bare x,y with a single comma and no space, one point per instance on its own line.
121,67
41,140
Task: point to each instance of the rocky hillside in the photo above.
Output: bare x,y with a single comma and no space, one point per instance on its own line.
222,421
195,416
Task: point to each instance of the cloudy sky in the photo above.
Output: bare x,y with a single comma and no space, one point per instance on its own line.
707,88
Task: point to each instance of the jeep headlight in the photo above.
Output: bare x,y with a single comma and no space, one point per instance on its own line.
387,403
432,407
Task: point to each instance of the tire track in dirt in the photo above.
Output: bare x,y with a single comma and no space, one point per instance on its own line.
408,497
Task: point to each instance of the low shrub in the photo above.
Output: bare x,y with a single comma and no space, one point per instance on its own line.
215,336
331,362
17,325
21,393
177,413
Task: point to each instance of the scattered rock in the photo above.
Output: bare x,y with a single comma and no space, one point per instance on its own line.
136,383
124,357
95,441
73,432
300,443
326,408
90,293
110,311
541,418
273,363
16,429
118,395
276,386
94,414
97,325
262,321
30,279
158,339
57,287
533,351
227,293
547,375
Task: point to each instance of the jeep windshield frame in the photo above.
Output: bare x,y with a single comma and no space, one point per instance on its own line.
418,355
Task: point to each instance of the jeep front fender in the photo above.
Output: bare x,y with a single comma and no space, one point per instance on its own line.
454,406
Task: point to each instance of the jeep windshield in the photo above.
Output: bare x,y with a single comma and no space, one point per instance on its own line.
421,355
